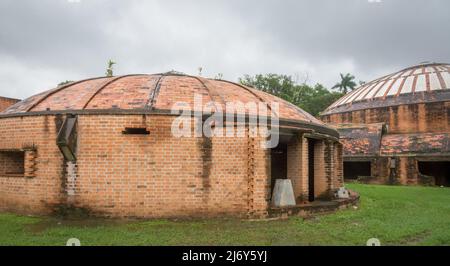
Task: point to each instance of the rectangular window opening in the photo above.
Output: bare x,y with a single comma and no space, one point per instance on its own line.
356,169
12,163
136,131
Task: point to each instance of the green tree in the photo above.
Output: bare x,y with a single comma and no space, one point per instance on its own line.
278,85
316,99
347,83
313,99
110,68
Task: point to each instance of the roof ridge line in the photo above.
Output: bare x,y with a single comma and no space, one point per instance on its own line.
114,79
207,89
58,89
155,91
251,92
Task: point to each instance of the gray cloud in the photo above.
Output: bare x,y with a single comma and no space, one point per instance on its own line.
47,41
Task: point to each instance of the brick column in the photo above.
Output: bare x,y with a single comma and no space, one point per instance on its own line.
297,156
258,171
321,182
330,167
294,164
250,175
30,163
305,170
407,171
339,165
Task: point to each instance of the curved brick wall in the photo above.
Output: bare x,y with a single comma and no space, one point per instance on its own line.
411,118
153,175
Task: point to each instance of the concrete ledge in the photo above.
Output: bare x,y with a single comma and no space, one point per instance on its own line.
314,208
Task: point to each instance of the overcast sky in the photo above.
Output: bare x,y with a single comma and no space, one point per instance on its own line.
44,42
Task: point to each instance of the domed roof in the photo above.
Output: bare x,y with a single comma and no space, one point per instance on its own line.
424,82
142,93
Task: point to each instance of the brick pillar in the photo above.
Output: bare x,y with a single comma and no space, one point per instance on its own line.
305,170
330,167
294,164
407,172
321,182
339,165
298,166
258,174
250,175
30,163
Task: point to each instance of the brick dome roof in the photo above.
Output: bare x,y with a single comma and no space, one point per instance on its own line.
145,93
423,82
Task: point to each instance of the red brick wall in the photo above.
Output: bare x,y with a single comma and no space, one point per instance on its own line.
6,102
155,175
423,117
165,176
37,194
380,170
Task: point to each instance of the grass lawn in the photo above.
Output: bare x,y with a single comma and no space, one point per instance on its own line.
396,215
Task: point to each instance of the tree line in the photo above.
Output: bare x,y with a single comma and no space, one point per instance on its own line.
312,99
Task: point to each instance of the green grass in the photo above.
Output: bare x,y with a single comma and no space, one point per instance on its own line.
396,215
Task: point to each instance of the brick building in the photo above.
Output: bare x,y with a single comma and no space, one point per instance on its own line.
106,145
397,128
6,102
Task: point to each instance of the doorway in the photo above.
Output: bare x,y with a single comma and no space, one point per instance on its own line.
311,144
353,170
439,170
278,163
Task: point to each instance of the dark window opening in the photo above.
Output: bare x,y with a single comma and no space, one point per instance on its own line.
311,144
439,170
136,131
353,170
278,163
12,163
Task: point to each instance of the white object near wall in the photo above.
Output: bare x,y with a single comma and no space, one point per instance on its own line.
342,193
283,193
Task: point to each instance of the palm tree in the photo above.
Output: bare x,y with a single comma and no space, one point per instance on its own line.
347,83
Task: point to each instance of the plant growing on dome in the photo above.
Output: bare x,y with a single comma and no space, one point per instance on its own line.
110,68
64,83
